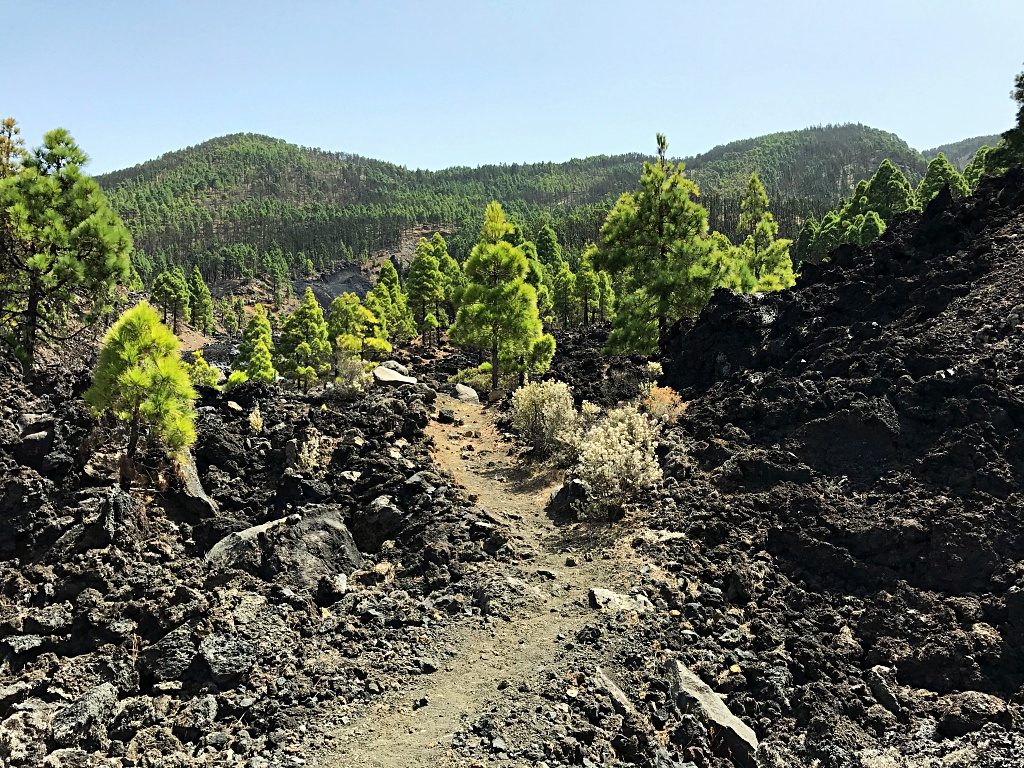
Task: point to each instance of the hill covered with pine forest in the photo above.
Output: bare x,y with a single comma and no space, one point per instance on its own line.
245,204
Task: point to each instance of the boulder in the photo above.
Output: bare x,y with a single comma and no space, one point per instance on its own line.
84,721
377,523
299,551
465,394
614,602
736,740
171,655
969,711
567,497
123,520
189,490
394,365
394,378
228,656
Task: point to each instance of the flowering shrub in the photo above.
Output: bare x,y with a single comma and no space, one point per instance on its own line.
663,404
616,459
543,412
256,420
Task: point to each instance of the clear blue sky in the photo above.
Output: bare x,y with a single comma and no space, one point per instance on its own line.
433,84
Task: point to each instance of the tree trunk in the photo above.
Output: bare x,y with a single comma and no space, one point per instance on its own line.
494,364
133,435
32,322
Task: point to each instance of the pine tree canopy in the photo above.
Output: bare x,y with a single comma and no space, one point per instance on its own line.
498,312
940,173
141,379
61,244
256,329
303,349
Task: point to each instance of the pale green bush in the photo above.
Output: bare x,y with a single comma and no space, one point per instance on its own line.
544,414
353,377
617,463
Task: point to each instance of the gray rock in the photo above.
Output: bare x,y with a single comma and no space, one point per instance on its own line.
234,549
394,365
882,682
124,522
84,721
614,602
227,656
171,655
619,699
189,490
465,394
196,718
380,521
567,497
969,711
387,376
315,545
736,740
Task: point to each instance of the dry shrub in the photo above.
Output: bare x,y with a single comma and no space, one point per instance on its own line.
616,459
544,413
663,404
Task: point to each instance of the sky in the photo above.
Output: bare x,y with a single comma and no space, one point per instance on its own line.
435,84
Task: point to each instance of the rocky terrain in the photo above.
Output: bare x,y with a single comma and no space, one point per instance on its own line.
831,573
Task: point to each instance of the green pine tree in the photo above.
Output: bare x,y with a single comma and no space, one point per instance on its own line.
889,192
202,302
563,298
425,282
170,291
256,329
201,373
653,238
261,363
498,312
63,249
303,350
141,379
940,173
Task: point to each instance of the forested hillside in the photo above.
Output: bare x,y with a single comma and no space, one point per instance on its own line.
960,153
247,204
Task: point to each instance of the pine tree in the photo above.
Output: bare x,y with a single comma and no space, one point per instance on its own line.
257,329
354,328
430,328
753,207
587,282
653,238
889,192
228,318
549,250
1010,151
171,292
767,265
201,373
12,147
202,302
303,350
393,303
940,173
498,312
978,167
141,379
454,279
425,282
261,364
563,298
63,249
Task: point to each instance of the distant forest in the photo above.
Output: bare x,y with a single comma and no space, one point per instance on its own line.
246,204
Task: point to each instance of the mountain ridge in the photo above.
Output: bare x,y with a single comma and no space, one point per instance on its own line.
239,197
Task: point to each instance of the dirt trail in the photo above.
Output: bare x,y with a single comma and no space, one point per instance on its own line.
497,659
